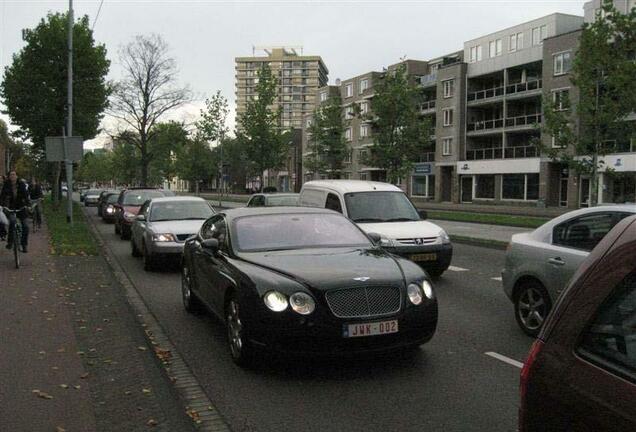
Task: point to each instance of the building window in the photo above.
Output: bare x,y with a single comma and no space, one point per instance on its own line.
520,187
448,117
349,90
539,34
364,130
475,54
364,107
447,146
516,42
364,84
485,186
562,63
561,99
347,158
348,134
323,96
449,88
364,176
349,112
423,186
495,48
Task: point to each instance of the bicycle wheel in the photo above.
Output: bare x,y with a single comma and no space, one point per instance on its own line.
16,252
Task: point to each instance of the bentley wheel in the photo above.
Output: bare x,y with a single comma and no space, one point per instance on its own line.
190,300
532,305
240,348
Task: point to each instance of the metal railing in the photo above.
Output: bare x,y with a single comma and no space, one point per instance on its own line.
485,125
502,153
486,94
428,105
427,157
427,80
524,86
524,120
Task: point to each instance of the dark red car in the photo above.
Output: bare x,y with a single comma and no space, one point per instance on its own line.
580,374
128,205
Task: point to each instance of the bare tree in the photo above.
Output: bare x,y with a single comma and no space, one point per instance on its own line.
147,91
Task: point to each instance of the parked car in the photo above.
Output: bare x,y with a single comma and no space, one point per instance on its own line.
163,225
384,209
580,374
128,205
101,201
107,207
82,193
304,281
539,264
273,200
91,197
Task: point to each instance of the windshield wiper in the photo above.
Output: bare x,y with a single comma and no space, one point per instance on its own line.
401,219
369,220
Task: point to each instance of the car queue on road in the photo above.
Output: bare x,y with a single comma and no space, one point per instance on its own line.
248,287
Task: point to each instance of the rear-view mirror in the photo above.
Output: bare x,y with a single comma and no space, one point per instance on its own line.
210,244
140,218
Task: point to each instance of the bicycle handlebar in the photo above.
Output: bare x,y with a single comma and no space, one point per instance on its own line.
8,210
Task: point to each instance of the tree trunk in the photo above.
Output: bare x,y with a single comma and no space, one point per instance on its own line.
144,163
594,181
55,183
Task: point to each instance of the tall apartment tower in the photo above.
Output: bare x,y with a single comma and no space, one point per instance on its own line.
299,77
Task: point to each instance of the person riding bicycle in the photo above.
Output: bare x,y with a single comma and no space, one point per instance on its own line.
15,196
35,193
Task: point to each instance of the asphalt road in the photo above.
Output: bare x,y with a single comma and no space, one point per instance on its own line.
451,384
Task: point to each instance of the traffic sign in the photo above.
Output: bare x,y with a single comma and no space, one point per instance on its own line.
55,151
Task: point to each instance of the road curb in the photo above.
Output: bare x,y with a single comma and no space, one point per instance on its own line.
481,242
197,405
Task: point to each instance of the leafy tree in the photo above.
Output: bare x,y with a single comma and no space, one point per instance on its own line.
234,163
125,160
603,71
147,91
96,168
327,139
260,133
34,85
196,162
167,141
212,126
400,133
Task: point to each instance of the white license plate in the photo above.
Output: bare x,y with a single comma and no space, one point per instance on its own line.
424,257
370,329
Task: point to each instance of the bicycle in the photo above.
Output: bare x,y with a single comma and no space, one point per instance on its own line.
16,231
37,215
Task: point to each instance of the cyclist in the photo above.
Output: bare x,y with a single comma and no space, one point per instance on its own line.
36,194
15,196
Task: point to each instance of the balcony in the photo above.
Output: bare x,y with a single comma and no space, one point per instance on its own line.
482,95
502,153
485,125
522,122
519,88
427,157
428,80
427,107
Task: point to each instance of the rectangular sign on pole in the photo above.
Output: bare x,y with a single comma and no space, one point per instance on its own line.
55,148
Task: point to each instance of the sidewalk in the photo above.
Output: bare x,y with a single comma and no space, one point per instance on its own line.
73,356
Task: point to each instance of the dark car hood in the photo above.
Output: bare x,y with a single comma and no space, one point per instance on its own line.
327,268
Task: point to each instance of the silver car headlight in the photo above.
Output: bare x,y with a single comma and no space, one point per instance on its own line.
385,241
444,236
275,301
163,238
302,303
415,294
428,289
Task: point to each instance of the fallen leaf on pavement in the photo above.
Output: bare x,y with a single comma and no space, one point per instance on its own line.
193,414
141,348
145,391
84,375
77,387
41,394
60,429
152,423
64,386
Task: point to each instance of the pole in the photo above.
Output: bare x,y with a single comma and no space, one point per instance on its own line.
69,118
221,171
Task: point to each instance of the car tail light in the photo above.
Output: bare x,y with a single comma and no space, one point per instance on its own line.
526,371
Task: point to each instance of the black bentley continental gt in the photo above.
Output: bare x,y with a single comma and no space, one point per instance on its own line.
304,281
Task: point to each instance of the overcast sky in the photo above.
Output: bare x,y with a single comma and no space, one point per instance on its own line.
352,37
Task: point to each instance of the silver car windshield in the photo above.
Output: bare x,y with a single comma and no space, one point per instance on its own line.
180,210
283,200
379,206
296,231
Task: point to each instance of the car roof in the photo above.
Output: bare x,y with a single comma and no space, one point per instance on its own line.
177,198
348,186
277,194
257,211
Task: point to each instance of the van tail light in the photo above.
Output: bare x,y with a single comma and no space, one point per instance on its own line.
526,372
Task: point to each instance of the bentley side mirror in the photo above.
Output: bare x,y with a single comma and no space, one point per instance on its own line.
211,244
423,214
375,238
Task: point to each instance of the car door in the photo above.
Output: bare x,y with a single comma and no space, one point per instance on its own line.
572,242
209,264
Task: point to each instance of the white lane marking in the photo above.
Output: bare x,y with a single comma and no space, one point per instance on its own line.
504,359
498,278
457,269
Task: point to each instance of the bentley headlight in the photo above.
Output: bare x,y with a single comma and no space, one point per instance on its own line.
163,238
275,301
302,303
428,289
415,294
110,209
444,236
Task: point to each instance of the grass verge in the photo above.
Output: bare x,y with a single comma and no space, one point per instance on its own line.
493,244
488,218
67,239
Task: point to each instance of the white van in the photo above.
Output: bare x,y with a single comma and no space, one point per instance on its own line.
384,209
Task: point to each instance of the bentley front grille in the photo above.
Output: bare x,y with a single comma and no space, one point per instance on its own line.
364,302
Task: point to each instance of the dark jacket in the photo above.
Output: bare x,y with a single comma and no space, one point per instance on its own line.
20,200
35,192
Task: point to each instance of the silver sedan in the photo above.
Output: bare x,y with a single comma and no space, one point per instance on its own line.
539,264
163,224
